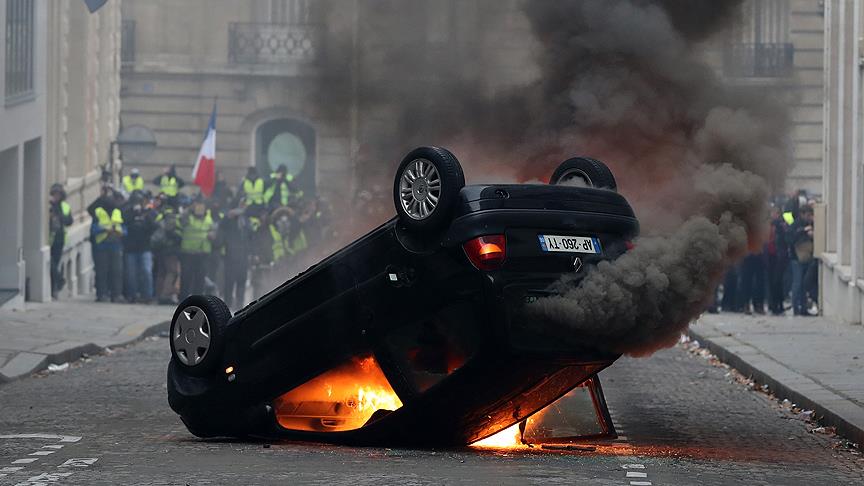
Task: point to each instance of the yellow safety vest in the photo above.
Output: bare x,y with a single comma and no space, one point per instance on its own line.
283,193
254,191
298,244
278,245
789,218
254,223
66,209
194,234
106,222
168,185
136,184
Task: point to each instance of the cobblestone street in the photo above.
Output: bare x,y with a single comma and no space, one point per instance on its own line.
681,420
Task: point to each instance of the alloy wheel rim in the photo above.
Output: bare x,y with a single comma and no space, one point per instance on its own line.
419,189
191,336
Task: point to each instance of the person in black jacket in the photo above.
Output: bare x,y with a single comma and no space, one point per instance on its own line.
140,226
60,216
235,234
801,243
776,256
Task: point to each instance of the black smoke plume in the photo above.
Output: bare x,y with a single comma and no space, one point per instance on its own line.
625,81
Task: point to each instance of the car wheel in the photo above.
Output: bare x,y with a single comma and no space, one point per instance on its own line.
427,188
197,333
584,172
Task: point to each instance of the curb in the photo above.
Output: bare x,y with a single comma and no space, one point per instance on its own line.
29,363
825,414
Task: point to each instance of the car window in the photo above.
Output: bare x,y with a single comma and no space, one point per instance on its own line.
346,397
577,415
431,349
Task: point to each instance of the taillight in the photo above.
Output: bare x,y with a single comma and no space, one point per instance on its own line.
486,252
629,245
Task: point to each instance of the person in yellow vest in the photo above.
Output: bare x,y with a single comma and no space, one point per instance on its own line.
252,187
169,184
197,231
59,217
106,238
133,182
166,252
288,239
279,192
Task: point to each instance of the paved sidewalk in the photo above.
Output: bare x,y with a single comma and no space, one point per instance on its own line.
59,332
814,362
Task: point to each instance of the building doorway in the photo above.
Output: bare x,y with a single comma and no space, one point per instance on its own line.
292,143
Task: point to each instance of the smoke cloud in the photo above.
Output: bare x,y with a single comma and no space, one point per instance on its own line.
625,81
637,87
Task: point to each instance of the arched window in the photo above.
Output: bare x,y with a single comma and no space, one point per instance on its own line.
292,143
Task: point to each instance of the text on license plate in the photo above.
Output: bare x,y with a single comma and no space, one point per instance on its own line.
569,244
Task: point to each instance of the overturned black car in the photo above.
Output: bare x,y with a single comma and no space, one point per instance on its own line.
413,334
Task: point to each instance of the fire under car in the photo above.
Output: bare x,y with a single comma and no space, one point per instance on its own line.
415,334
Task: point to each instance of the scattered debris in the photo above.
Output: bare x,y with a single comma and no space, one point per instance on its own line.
53,368
789,409
806,415
568,447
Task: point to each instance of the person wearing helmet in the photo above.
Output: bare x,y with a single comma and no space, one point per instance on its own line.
279,193
133,182
59,218
197,230
252,187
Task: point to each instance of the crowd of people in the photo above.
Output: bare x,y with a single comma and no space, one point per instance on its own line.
159,246
784,274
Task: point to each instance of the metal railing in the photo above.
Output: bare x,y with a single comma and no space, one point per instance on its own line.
127,43
257,43
763,60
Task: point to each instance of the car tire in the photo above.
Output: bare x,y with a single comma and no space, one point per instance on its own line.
592,173
414,196
197,333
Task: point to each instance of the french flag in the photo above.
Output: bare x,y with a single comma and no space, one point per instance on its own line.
204,173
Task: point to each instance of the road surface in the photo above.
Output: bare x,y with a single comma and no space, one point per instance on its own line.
682,421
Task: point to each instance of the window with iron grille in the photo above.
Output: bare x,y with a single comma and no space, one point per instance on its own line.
127,43
760,44
289,11
19,50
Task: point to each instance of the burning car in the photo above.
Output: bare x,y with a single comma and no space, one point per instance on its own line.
413,334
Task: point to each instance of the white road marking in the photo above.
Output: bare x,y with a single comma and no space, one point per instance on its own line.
44,479
633,466
640,483
42,453
634,474
60,438
79,462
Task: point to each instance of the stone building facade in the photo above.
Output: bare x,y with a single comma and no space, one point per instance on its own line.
61,85
288,77
841,237
779,47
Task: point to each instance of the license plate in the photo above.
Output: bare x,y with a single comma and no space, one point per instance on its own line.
569,244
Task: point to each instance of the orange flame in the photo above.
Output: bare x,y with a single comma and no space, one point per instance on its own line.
509,438
344,398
